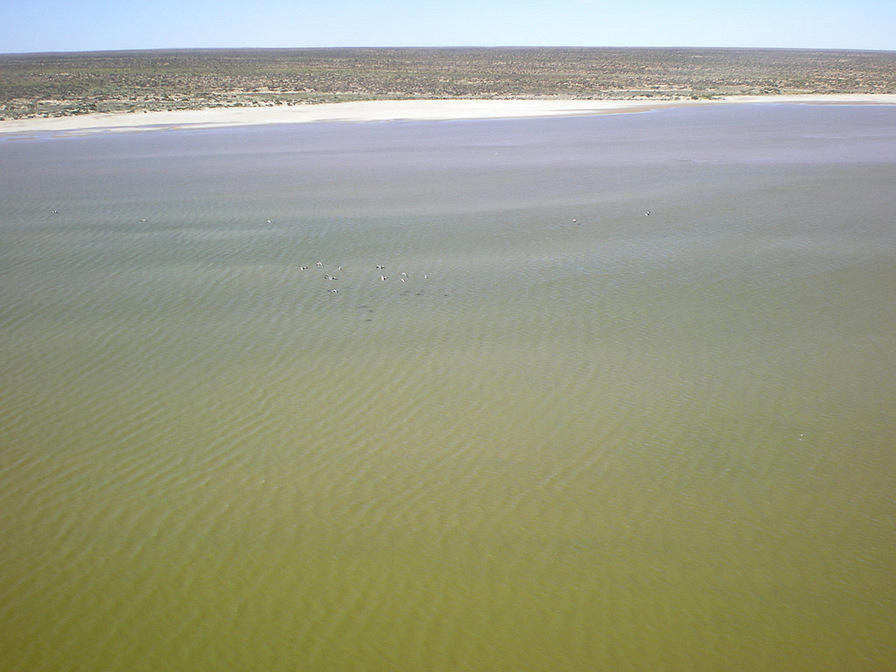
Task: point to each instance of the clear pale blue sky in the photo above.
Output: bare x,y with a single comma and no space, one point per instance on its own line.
86,25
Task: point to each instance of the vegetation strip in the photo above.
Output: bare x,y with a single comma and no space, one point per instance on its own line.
54,85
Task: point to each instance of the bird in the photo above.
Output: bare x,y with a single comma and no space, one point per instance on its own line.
384,277
380,267
647,213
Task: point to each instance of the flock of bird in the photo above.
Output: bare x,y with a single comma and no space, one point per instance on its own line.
403,277
380,269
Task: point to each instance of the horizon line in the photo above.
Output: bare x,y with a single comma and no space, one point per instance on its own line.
438,47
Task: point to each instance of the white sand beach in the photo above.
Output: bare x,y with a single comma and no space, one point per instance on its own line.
391,110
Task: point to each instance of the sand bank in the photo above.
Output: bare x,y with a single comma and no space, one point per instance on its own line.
390,110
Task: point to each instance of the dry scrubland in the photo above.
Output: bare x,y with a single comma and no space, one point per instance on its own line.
51,85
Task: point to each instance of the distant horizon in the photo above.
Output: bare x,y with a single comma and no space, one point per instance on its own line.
443,47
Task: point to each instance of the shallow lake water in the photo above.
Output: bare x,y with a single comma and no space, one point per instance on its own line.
561,434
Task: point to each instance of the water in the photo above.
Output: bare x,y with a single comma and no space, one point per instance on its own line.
621,442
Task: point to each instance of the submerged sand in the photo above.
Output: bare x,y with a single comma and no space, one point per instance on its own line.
391,110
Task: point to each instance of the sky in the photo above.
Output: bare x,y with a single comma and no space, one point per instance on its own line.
94,25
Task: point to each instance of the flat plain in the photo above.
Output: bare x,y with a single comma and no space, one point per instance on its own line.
62,84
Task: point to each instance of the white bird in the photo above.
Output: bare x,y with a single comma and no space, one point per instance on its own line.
384,277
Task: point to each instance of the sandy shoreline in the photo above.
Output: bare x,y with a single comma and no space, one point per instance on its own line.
390,110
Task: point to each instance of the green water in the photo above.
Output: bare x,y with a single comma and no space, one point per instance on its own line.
623,442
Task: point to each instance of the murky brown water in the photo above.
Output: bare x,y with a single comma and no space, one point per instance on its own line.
621,442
